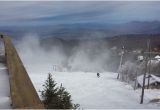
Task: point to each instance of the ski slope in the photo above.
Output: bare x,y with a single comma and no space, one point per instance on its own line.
99,93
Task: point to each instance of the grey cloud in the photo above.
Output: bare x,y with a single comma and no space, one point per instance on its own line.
44,12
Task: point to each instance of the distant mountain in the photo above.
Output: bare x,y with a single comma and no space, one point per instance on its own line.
85,30
137,27
130,41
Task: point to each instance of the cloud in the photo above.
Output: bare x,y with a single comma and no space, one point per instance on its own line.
54,12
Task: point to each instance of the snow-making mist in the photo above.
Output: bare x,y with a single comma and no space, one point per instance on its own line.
91,56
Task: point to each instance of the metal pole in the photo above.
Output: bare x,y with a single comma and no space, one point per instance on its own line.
121,59
144,77
143,86
135,85
149,64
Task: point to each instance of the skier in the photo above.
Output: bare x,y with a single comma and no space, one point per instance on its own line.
98,75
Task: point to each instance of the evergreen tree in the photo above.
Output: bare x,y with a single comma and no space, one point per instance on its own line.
65,98
55,98
49,94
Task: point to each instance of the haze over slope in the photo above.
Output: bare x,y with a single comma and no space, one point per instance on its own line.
83,56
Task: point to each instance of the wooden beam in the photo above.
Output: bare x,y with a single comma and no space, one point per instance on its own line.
23,93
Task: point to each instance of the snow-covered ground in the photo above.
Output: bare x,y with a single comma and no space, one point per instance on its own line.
98,93
5,100
87,90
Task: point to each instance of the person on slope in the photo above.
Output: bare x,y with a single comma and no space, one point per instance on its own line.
98,75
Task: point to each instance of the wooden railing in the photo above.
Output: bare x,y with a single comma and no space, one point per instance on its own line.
23,93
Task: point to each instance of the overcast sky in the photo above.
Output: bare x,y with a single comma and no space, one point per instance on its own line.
53,13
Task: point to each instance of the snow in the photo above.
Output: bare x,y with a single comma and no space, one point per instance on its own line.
157,57
156,78
152,79
140,57
105,92
5,99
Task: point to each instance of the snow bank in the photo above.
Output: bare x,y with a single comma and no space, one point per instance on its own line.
152,79
5,100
